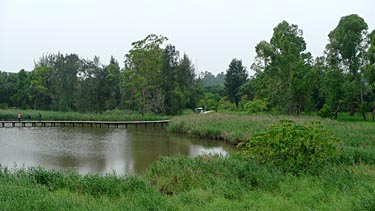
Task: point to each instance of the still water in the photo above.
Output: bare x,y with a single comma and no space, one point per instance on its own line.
98,150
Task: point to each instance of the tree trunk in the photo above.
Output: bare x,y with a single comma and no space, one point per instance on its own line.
337,109
362,109
298,110
352,110
373,114
364,115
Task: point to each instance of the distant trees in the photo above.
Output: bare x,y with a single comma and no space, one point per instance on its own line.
157,78
210,80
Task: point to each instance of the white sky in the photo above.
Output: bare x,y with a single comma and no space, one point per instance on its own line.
211,32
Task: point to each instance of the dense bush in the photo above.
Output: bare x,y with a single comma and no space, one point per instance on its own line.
325,111
255,106
293,148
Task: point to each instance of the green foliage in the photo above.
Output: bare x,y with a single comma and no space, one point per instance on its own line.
226,105
255,106
325,111
282,66
293,148
209,102
236,75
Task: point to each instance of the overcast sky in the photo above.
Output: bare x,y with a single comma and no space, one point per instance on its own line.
211,32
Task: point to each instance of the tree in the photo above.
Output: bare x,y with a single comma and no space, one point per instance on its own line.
7,88
113,82
169,83
21,97
370,72
187,82
39,84
282,66
346,48
236,76
143,66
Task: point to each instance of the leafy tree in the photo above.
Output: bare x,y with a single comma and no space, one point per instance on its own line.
64,81
21,96
143,65
236,76
89,91
346,50
112,73
370,72
39,92
174,99
186,80
7,88
282,67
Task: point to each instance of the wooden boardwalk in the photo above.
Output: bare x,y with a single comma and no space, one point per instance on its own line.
99,124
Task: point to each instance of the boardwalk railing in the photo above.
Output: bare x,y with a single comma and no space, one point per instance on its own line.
108,124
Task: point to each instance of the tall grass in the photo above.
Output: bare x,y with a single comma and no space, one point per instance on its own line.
181,183
230,127
113,115
233,183
40,189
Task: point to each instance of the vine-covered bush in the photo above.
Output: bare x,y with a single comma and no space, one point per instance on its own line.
293,148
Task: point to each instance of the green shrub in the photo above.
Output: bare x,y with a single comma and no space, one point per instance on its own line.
255,106
325,111
294,148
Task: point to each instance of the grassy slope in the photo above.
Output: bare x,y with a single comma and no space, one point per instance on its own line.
210,183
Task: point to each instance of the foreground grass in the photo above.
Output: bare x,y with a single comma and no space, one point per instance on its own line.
180,183
114,115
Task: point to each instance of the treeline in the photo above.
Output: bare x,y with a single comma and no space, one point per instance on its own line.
289,80
156,78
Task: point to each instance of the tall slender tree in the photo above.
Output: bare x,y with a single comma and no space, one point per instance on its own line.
236,75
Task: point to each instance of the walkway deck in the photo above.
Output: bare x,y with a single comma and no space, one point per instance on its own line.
100,124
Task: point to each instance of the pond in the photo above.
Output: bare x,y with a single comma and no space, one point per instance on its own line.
98,150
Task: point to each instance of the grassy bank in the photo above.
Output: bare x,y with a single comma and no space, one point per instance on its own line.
229,127
114,115
203,183
356,138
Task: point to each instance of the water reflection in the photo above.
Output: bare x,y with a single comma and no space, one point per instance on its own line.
97,150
